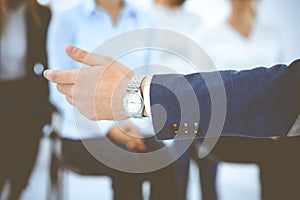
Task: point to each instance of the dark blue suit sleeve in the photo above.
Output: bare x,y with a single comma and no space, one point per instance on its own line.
262,102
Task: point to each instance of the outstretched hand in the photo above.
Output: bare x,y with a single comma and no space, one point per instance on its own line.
96,90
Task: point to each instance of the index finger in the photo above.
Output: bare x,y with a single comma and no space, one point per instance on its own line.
61,76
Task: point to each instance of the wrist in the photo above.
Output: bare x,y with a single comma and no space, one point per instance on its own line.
143,84
145,90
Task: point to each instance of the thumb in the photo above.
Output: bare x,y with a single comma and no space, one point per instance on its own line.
86,57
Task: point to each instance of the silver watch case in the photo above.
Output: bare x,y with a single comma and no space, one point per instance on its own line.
132,100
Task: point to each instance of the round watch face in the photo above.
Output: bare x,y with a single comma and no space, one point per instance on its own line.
133,103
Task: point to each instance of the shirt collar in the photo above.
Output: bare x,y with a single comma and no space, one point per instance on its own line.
129,10
90,7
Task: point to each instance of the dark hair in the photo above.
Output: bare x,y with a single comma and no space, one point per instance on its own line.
13,4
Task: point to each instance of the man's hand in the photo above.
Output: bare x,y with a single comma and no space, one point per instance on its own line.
127,135
97,90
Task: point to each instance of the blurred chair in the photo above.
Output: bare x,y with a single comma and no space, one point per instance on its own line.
59,166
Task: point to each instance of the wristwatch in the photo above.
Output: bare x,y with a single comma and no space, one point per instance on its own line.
132,100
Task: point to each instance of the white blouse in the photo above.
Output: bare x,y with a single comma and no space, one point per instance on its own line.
229,50
182,22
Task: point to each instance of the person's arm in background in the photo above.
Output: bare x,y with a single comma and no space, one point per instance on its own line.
37,61
262,102
128,135
61,32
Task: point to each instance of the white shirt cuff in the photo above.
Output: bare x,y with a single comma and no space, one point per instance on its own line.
146,95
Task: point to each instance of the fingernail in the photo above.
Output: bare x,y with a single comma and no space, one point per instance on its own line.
46,73
72,48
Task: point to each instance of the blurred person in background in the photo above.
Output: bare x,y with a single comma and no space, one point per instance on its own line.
171,15
88,25
244,42
24,105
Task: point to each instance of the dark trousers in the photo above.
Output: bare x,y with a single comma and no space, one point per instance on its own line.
279,162
23,113
126,186
19,143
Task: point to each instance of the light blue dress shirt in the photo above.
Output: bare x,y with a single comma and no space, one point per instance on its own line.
87,26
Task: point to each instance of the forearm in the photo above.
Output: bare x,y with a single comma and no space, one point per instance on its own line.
259,103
